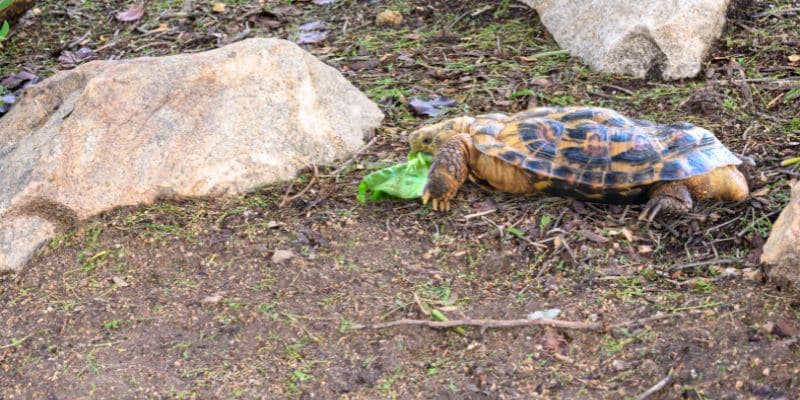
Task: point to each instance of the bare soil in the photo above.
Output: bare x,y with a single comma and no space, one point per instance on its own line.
185,299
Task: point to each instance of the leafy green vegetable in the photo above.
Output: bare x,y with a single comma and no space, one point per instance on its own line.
401,181
4,28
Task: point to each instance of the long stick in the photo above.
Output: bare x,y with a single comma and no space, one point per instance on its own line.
486,323
658,386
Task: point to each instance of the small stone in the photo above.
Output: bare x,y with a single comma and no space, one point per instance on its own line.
218,7
119,281
212,299
36,11
644,249
752,274
281,256
765,372
389,18
730,271
794,58
620,365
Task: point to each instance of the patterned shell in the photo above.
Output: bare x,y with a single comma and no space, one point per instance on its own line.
599,149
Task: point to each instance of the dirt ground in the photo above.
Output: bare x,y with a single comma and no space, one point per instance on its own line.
188,298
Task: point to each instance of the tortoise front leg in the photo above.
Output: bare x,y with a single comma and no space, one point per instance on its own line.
448,172
668,197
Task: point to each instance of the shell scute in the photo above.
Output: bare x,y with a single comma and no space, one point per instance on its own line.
601,151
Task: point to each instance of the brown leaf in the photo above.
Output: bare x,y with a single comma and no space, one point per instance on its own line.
555,342
594,237
286,9
134,12
366,64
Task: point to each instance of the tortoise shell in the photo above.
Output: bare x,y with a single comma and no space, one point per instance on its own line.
597,153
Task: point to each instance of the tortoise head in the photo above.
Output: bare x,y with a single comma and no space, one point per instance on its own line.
428,139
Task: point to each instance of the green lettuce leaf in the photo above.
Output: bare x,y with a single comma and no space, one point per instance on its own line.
401,181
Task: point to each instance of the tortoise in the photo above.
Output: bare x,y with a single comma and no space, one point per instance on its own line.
587,153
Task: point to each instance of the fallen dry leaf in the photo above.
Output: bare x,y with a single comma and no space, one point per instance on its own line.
555,342
431,107
70,59
286,9
134,12
311,37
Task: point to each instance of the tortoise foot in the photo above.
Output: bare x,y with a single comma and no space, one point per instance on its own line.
439,191
668,198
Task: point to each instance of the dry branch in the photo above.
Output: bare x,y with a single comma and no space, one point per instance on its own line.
487,323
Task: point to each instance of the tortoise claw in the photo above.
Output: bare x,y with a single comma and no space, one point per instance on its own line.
426,197
650,212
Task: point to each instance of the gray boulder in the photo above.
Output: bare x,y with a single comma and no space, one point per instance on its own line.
782,250
114,133
645,38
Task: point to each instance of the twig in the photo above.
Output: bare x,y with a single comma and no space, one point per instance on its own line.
515,323
620,88
704,263
757,220
486,323
776,11
546,54
16,342
658,386
350,160
479,214
286,199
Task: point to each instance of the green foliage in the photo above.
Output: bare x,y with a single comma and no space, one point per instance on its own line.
4,28
401,181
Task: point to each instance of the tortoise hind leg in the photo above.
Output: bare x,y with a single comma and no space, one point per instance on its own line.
448,172
669,198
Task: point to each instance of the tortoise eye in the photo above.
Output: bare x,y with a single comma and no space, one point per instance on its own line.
426,140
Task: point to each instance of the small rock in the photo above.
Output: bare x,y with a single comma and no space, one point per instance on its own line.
119,281
389,18
730,271
281,256
218,7
212,299
644,249
620,365
752,274
794,58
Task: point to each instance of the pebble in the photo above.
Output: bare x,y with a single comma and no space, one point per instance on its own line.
281,256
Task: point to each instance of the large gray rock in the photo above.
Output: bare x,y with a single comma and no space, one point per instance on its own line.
114,133
782,250
661,38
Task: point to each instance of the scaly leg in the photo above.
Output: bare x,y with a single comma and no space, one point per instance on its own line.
667,197
448,172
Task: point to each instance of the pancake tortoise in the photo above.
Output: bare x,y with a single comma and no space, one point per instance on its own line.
588,153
